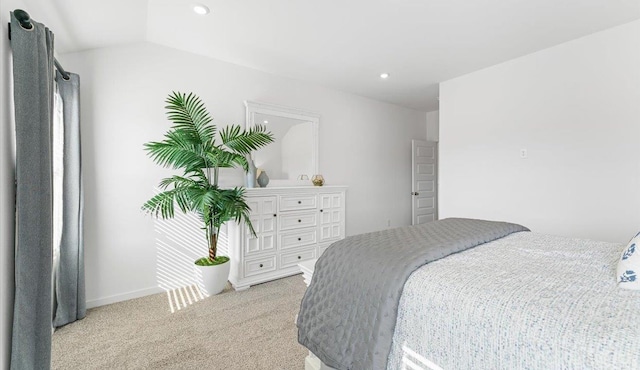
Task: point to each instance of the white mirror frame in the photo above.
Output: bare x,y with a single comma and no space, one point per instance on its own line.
253,108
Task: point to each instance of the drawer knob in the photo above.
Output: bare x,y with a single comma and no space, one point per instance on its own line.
299,239
261,265
320,210
274,215
299,257
299,220
299,202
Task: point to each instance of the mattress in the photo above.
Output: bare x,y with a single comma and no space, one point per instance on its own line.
526,301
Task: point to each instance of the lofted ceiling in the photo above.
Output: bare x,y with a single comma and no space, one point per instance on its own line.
340,44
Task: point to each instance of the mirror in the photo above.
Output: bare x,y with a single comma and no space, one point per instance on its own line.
294,152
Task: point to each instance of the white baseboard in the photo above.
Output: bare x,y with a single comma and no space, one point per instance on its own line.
123,297
311,362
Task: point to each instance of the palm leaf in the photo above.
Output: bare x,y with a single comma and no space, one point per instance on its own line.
204,199
179,182
177,151
197,174
162,204
233,207
224,159
188,113
244,142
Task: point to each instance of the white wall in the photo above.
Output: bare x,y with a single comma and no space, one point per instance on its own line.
364,144
433,124
576,109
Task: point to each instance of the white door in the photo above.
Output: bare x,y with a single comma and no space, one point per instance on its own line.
424,181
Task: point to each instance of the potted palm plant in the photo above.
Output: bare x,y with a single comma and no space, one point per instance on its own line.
190,146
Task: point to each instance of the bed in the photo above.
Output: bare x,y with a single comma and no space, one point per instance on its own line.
521,301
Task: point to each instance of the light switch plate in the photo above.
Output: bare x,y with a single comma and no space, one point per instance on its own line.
523,153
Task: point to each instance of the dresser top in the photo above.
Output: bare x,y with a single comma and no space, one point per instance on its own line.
294,189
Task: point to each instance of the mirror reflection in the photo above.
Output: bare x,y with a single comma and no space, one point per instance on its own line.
290,156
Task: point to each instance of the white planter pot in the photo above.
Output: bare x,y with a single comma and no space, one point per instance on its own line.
212,279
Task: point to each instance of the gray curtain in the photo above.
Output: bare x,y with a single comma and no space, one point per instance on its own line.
33,95
69,272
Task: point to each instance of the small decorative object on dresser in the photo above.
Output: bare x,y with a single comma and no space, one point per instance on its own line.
263,179
317,180
292,224
251,173
197,190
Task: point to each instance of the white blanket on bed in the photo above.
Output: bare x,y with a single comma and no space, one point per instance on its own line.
526,301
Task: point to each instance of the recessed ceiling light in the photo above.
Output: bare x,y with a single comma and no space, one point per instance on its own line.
201,9
384,76
265,121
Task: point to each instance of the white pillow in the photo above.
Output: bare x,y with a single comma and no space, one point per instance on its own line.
628,272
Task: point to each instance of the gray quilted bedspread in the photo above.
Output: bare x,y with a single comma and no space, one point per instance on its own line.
525,301
348,314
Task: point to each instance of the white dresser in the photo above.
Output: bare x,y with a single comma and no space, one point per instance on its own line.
292,224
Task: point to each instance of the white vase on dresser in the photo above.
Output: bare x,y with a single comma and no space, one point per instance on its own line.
292,225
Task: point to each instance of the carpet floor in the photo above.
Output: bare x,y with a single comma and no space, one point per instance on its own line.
253,329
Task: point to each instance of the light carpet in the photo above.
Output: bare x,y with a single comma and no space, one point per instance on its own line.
253,329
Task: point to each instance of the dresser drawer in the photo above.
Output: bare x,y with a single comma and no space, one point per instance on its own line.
293,258
296,238
290,221
259,266
297,202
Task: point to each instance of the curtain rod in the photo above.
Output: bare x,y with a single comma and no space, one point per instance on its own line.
25,21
